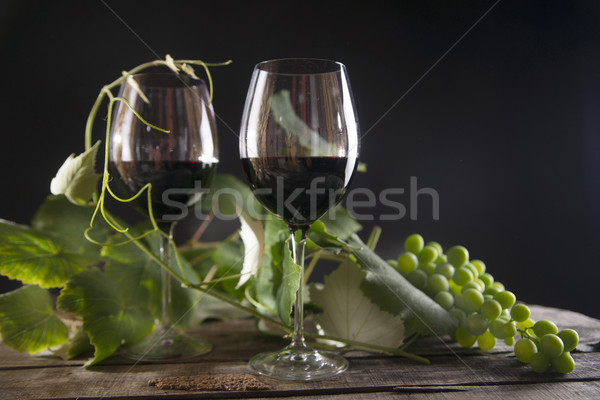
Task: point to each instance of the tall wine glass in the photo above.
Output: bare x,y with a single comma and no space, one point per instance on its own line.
178,164
299,147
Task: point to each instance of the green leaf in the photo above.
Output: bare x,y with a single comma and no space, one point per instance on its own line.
138,278
69,221
229,257
339,223
290,283
393,293
76,178
228,196
80,345
269,275
27,320
107,319
349,314
32,256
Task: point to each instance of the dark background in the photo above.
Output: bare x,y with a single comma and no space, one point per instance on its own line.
506,127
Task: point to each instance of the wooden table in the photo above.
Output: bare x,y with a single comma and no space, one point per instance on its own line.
454,373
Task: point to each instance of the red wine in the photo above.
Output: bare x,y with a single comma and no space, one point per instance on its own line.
299,189
175,184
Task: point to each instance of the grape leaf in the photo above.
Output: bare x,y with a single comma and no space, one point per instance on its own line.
269,275
339,223
290,283
349,314
32,256
393,293
27,321
76,178
228,195
138,277
229,257
107,319
69,221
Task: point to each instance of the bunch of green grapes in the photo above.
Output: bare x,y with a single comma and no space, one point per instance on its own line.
485,310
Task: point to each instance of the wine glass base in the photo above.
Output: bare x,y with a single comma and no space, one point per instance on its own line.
160,346
298,364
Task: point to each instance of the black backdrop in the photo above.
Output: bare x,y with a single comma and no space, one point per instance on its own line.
505,127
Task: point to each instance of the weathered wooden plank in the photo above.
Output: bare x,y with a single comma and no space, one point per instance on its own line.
364,375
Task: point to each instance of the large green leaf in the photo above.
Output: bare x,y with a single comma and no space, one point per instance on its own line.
27,320
393,293
269,275
228,195
33,256
349,314
339,223
138,277
107,319
68,222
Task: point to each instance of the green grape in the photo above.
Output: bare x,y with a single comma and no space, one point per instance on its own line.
437,283
407,262
539,362
480,265
418,278
441,258
570,339
458,314
510,330
457,256
520,312
487,279
473,269
544,327
524,349
563,363
551,345
472,285
505,298
445,269
473,300
444,299
462,275
498,285
414,243
491,309
392,263
509,340
437,246
486,341
427,255
497,328
464,338
476,324
428,268
505,315
459,302
491,290
487,297
480,283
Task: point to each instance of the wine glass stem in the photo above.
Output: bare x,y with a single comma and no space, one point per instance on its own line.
298,256
165,255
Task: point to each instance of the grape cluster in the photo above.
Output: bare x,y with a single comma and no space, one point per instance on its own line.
486,311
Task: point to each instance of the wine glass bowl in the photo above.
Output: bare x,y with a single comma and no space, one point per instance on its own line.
299,145
179,165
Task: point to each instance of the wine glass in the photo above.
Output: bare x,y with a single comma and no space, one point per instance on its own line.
299,147
179,165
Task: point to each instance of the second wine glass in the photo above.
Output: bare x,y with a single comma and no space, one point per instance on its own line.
179,165
299,147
